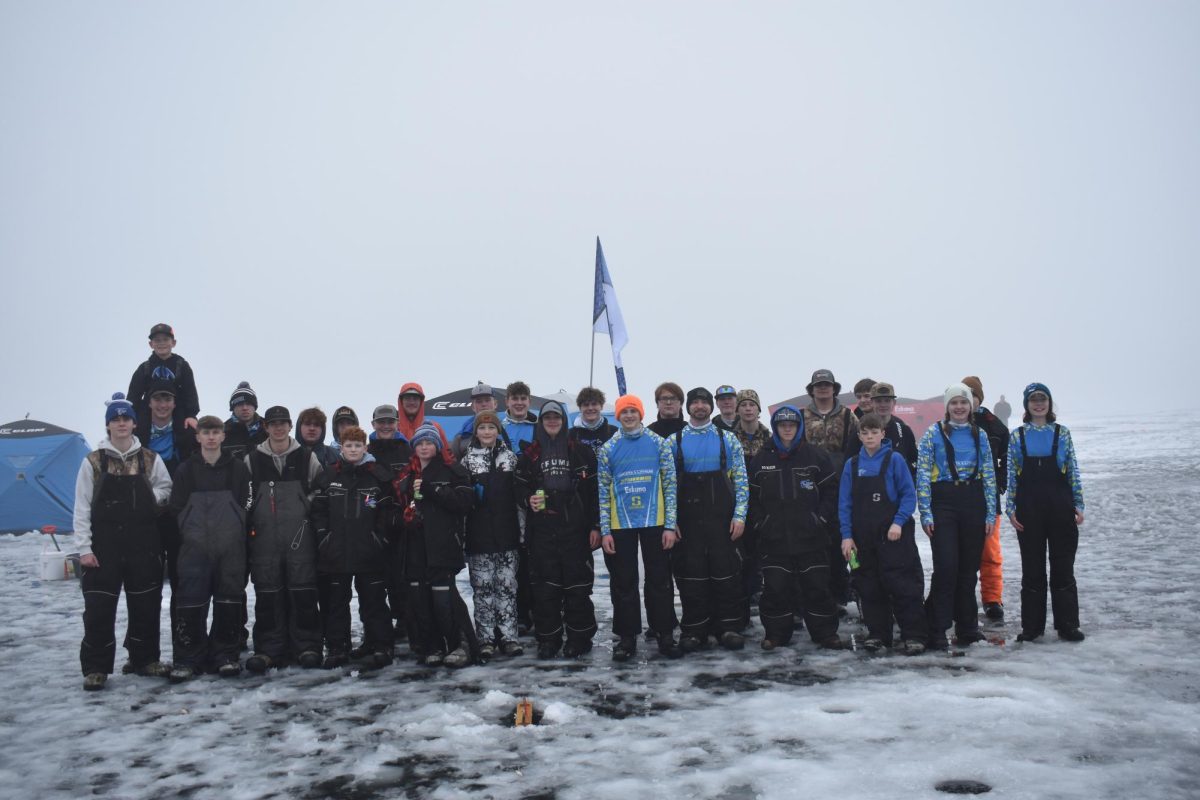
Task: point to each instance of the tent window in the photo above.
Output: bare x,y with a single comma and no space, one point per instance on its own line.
20,462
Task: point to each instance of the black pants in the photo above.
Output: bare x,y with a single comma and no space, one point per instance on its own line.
334,590
890,582
139,573
201,577
708,574
561,572
438,619
784,576
286,620
623,582
1061,537
959,516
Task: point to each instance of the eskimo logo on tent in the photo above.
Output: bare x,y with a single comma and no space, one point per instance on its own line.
162,374
442,405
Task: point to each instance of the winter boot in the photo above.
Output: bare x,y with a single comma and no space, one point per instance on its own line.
668,647
310,659
969,638
547,650
625,649
511,648
690,644
155,669
873,645
994,611
230,669
456,658
576,649
94,681
259,663
181,673
913,648
732,640
1071,635
833,642
335,660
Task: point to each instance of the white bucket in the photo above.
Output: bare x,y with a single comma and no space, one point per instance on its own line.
58,566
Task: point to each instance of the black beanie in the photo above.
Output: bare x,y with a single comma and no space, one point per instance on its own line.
699,393
243,394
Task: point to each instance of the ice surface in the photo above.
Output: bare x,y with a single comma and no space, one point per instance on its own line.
1115,716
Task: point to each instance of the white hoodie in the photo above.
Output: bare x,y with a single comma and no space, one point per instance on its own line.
85,484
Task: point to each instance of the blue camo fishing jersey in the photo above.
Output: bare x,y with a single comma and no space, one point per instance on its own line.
637,482
932,467
702,453
1038,441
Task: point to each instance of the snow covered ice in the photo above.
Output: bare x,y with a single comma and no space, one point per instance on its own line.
1115,716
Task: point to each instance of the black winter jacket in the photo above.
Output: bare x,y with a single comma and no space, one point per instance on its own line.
578,508
793,498
594,439
492,525
904,442
433,525
353,512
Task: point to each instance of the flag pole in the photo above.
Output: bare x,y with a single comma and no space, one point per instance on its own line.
592,368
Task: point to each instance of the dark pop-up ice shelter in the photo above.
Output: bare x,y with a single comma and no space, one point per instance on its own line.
38,465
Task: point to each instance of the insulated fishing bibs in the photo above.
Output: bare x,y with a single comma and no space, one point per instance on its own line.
212,548
1042,486
1046,510
964,493
873,510
703,496
126,543
282,536
124,511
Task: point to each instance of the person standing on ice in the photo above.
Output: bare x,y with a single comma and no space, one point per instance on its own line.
895,430
991,574
877,500
636,476
209,498
956,494
352,511
119,491
436,495
556,482
793,494
726,399
831,426
1002,410
283,549
1045,505
493,536
713,496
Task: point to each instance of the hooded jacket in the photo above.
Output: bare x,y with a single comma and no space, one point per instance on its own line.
175,370
570,484
898,484
793,492
118,463
835,432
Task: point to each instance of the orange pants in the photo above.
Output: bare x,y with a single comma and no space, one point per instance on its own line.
991,577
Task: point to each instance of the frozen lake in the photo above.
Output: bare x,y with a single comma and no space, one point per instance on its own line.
1114,717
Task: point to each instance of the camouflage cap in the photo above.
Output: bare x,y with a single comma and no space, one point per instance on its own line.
748,394
824,376
882,389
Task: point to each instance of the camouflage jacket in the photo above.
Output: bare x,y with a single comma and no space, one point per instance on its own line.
836,432
752,443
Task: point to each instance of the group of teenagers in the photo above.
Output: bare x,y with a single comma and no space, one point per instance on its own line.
795,518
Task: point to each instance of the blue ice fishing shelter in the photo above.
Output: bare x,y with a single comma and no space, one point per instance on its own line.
38,466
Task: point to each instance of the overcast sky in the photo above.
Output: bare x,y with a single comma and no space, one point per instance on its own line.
330,199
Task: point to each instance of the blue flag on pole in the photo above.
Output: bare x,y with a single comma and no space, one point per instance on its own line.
606,315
